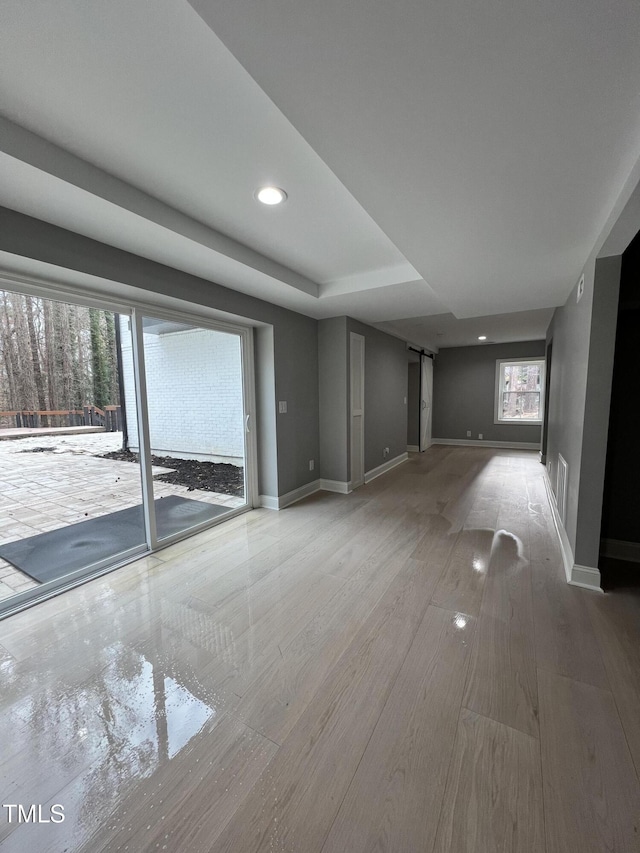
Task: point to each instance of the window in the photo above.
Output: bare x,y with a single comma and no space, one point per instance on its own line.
519,387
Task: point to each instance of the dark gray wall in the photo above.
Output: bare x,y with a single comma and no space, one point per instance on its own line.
334,399
295,352
385,391
464,380
413,405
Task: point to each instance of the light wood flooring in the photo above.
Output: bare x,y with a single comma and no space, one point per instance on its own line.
399,669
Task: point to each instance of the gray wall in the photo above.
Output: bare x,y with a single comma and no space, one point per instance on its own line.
334,400
385,390
581,374
266,410
583,335
569,331
296,373
464,381
413,405
294,344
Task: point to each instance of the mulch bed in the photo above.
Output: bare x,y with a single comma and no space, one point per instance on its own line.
206,476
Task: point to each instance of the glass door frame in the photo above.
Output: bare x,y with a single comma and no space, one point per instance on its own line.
144,439
135,310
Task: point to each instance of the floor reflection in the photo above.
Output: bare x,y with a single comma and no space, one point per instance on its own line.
93,741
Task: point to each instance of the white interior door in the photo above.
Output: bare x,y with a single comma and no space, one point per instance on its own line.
357,409
426,401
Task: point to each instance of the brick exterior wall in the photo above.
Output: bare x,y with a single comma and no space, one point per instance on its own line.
194,390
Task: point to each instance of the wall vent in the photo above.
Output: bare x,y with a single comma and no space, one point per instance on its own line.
561,487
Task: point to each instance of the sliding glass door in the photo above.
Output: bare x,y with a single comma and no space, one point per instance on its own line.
120,431
67,505
194,404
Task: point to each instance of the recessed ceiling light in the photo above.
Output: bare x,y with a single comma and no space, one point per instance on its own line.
482,337
271,195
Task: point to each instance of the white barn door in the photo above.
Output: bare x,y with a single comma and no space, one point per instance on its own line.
426,401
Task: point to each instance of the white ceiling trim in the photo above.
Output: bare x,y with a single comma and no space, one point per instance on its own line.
157,101
28,154
398,274
42,180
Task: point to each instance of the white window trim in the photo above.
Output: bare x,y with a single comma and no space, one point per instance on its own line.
496,404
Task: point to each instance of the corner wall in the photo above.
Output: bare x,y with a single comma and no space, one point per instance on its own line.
583,335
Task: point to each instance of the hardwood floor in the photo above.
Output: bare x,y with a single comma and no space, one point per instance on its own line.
400,669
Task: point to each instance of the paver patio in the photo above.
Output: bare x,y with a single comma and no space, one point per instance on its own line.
41,491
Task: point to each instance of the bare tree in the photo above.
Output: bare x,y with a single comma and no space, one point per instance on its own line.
55,355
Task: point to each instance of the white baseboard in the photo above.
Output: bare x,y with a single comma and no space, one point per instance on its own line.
269,502
468,442
583,576
413,448
586,577
386,466
338,486
620,550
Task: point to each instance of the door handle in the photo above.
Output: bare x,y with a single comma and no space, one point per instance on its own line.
246,423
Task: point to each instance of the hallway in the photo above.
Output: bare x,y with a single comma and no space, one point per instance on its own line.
399,669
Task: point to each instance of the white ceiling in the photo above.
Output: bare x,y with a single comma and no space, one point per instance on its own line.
443,161
439,330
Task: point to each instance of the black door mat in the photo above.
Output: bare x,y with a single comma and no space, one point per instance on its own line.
48,556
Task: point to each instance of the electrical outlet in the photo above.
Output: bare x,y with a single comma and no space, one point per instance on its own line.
468,433
405,401
282,407
312,464
480,436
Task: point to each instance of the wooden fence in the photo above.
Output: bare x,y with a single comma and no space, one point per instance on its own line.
110,418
